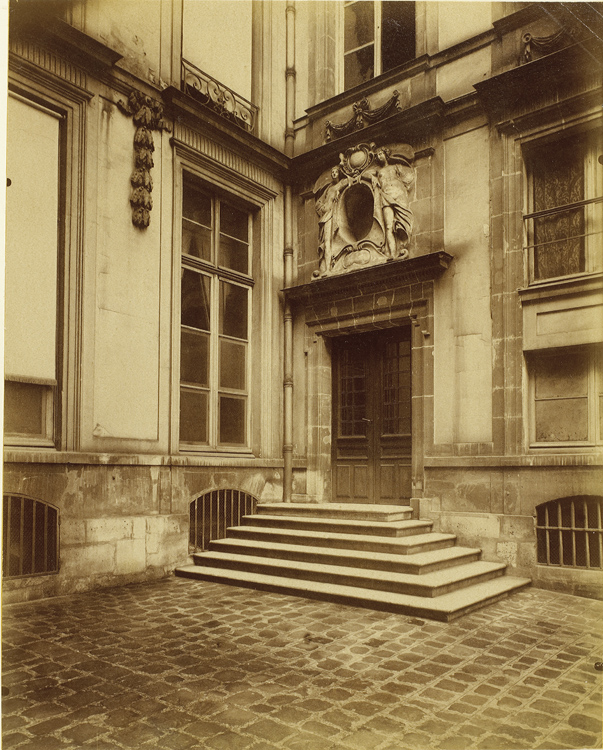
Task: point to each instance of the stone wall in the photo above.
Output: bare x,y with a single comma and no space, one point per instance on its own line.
494,509
121,523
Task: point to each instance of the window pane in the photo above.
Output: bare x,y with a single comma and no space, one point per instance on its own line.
562,420
195,204
358,24
193,416
24,406
233,310
565,375
234,254
234,222
358,67
558,181
232,365
194,357
196,240
195,300
397,33
232,420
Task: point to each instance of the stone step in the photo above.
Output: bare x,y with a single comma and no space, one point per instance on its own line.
364,542
427,585
411,545
415,564
445,607
376,528
343,511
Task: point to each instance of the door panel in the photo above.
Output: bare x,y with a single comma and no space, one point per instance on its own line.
372,417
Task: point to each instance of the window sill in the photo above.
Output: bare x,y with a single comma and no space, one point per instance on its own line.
565,446
12,442
560,286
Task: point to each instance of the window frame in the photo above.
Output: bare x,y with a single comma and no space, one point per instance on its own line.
594,392
217,274
376,41
593,196
51,412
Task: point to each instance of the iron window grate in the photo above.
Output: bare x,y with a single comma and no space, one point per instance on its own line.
214,512
30,537
569,532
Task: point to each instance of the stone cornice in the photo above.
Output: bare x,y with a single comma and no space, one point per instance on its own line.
72,44
371,280
528,87
408,125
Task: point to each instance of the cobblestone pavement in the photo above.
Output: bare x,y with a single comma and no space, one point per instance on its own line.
179,664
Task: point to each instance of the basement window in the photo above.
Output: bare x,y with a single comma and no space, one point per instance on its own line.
30,537
569,532
214,512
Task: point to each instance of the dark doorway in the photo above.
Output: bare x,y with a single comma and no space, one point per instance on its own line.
372,417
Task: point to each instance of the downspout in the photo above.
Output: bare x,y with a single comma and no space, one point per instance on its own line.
288,260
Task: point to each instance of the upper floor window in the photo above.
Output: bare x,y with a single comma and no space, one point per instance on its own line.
215,319
564,221
377,36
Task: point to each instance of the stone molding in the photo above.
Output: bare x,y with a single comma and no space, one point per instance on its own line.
372,280
48,61
201,144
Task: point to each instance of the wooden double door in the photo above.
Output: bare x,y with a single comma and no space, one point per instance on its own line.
372,417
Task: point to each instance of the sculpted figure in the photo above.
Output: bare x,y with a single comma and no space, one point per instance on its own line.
326,198
393,184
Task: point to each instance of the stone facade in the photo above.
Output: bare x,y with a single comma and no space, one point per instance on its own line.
144,113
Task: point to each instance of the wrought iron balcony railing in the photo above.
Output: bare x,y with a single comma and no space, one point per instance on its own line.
218,97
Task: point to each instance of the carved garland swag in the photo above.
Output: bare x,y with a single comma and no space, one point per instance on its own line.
147,115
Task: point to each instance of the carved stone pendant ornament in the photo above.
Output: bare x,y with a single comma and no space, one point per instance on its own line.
147,115
363,207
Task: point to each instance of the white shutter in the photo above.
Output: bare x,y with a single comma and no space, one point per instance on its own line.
32,203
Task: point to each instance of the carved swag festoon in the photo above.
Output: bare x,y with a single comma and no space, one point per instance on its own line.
147,115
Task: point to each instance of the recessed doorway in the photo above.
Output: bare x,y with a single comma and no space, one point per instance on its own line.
371,456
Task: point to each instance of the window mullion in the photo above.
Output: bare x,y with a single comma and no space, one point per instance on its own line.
214,333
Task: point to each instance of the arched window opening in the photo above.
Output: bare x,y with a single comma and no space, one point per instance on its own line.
569,532
30,537
214,512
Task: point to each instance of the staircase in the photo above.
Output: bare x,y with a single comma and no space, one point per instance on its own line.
366,556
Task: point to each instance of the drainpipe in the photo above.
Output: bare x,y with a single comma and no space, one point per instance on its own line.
288,261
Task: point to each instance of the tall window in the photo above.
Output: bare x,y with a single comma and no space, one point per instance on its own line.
567,396
215,320
31,268
564,222
377,36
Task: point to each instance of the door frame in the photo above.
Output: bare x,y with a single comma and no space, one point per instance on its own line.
384,296
373,444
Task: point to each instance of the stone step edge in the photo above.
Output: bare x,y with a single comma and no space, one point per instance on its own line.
380,528
445,608
404,545
367,560
350,511
427,585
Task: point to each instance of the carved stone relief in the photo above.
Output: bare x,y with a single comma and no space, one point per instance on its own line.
147,115
362,116
535,47
363,208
